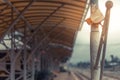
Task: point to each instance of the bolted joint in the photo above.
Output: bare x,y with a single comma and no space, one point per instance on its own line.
109,4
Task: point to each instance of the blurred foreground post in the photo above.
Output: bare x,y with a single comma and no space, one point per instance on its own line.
94,43
98,45
109,5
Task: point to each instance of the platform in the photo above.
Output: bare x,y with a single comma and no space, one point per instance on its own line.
65,76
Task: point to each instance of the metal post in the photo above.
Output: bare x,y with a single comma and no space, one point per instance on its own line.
33,68
38,62
94,43
12,56
25,66
109,5
12,71
24,57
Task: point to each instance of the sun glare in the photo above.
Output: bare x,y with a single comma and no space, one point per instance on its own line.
114,24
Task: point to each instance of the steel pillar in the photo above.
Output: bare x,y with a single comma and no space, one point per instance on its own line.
94,42
12,57
38,62
25,57
33,68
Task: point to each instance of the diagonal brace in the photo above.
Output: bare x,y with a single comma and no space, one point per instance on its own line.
16,20
39,27
44,39
17,11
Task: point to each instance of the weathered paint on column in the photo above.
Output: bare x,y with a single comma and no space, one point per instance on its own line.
94,43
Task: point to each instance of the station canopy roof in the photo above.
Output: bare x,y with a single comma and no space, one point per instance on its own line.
57,21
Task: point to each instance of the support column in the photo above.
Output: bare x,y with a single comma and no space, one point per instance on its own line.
12,71
33,68
25,66
25,57
38,62
12,57
94,43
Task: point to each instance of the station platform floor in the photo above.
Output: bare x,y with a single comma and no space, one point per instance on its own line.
65,76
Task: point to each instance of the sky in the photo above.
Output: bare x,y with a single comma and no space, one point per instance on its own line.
82,46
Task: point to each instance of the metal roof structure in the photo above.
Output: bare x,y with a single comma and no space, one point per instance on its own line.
42,26
54,20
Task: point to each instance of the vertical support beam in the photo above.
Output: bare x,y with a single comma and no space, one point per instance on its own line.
47,61
37,54
24,57
94,43
12,53
25,66
12,71
33,67
12,56
33,58
41,61
38,62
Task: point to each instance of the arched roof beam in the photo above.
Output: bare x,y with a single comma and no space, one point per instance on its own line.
60,45
64,2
